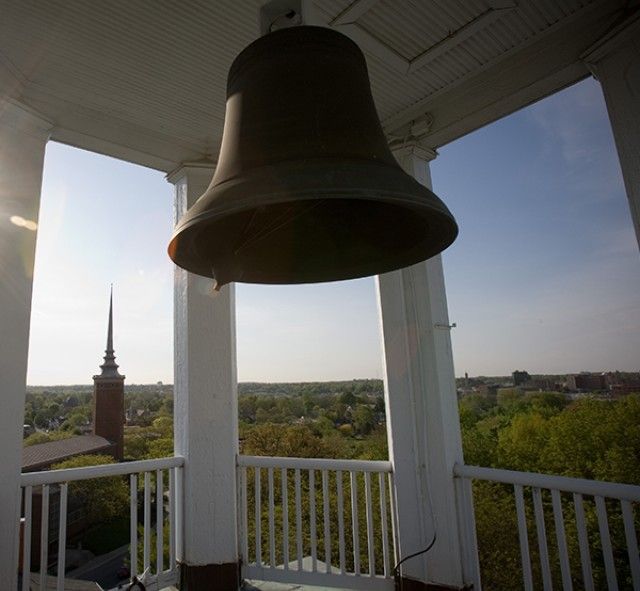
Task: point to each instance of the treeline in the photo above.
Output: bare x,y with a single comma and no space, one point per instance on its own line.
356,387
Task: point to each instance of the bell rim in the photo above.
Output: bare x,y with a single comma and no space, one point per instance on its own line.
239,195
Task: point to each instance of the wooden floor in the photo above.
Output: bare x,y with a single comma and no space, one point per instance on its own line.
69,584
270,586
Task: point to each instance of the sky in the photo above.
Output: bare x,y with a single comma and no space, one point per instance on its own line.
544,276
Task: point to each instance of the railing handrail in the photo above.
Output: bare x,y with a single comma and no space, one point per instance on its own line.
99,471
314,463
600,488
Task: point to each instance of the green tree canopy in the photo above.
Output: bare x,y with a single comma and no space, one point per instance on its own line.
102,499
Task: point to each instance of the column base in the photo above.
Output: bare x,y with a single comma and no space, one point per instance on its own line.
408,584
210,577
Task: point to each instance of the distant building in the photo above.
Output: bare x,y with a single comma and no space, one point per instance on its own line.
618,390
488,389
587,382
539,385
520,377
108,398
108,420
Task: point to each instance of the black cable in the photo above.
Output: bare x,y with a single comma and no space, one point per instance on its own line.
136,584
396,568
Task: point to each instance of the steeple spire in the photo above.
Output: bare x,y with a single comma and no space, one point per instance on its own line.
110,329
110,367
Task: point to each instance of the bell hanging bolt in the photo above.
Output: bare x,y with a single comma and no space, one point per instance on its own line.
445,326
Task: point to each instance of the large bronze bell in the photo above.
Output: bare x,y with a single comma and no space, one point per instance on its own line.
306,188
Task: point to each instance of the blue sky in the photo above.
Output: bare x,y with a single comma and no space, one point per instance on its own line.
544,275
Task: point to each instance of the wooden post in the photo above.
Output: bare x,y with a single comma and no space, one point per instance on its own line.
615,62
422,413
205,412
23,137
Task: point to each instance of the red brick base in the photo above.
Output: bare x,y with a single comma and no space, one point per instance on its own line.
210,577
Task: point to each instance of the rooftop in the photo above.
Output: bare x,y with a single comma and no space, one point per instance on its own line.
44,454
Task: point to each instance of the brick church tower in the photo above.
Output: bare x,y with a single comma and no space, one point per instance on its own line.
108,396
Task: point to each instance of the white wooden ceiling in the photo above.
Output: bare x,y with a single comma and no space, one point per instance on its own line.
145,80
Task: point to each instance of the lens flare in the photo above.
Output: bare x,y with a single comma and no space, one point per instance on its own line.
22,223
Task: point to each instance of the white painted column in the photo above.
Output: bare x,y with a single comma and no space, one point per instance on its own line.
23,137
205,409
615,61
422,412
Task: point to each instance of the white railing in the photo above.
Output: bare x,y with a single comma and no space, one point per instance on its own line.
558,501
317,521
59,484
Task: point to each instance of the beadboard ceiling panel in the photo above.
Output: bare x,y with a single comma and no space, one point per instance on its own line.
145,80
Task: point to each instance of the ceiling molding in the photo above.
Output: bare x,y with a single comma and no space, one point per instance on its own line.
595,10
609,42
458,36
353,12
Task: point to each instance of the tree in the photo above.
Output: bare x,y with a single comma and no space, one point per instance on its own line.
296,441
103,499
364,419
41,437
160,448
521,444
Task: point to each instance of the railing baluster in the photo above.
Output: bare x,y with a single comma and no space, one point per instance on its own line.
392,506
172,517
26,539
632,542
607,553
257,509
327,520
583,543
370,533
542,539
341,542
159,522
179,513
44,537
62,536
312,521
298,519
285,518
354,522
384,527
244,514
146,559
524,538
558,519
272,536
133,523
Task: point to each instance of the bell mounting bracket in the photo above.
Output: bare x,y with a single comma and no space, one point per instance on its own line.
281,14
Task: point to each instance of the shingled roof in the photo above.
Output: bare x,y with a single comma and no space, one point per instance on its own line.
43,455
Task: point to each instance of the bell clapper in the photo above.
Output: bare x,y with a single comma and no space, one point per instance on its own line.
216,286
